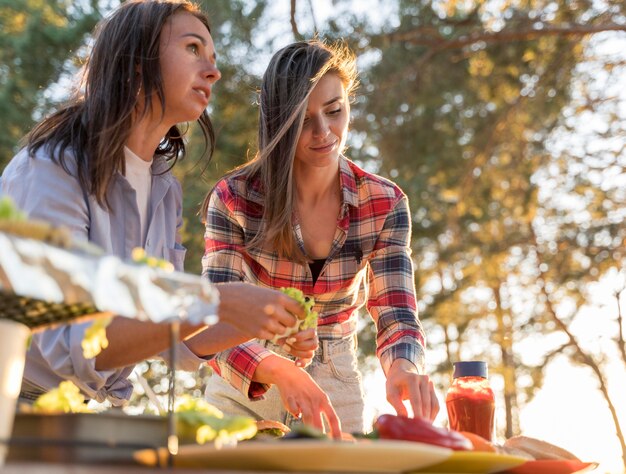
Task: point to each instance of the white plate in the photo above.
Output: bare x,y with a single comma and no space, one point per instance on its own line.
306,455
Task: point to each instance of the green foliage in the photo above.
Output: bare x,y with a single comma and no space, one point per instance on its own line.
38,40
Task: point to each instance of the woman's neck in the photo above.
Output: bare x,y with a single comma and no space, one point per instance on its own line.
316,185
145,137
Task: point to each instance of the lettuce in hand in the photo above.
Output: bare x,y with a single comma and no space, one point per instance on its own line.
310,316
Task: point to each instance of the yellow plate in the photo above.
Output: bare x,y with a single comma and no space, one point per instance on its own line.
305,455
475,462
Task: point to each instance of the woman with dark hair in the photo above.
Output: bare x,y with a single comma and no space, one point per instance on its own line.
300,214
100,166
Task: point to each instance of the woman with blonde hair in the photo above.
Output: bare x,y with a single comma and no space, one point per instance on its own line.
300,214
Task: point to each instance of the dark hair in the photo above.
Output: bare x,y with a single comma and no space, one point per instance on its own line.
291,76
95,123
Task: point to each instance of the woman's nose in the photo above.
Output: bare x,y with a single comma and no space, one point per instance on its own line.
212,73
320,128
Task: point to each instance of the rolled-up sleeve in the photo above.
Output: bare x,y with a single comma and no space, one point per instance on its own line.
391,298
57,353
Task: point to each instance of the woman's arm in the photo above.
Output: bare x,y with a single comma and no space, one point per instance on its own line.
223,262
392,305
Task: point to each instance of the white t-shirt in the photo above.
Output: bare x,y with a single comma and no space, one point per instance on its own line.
139,175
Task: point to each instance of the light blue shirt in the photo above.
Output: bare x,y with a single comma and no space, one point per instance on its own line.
45,191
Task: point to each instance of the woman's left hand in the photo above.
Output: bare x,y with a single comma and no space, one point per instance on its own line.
302,346
405,383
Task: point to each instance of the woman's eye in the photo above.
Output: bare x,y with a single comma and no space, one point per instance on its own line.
194,48
334,112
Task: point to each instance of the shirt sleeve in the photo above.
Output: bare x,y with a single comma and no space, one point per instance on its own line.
58,353
391,292
223,262
44,190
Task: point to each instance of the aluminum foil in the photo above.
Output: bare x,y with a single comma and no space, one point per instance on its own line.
34,270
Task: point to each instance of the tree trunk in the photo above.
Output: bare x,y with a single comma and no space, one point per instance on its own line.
508,369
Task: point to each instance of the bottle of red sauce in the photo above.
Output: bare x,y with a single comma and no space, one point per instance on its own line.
470,400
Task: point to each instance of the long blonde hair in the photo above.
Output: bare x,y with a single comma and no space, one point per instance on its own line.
291,75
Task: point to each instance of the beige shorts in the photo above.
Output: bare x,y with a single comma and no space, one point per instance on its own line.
334,368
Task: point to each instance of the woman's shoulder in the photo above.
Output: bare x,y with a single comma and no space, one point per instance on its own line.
369,183
241,187
43,160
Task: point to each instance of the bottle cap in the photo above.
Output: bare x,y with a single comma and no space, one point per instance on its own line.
470,368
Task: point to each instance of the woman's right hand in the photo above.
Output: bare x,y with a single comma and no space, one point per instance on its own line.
300,394
258,312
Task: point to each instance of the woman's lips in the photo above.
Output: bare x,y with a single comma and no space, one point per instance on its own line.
324,148
204,93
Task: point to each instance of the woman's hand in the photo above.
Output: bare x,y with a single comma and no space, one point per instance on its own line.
258,312
301,396
404,383
302,346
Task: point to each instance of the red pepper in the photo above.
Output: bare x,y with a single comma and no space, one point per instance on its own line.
418,429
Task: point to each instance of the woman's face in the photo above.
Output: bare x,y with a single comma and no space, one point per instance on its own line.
188,68
325,125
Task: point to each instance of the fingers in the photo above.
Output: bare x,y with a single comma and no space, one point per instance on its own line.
292,306
420,393
318,412
395,400
291,405
333,421
278,321
302,346
418,398
434,402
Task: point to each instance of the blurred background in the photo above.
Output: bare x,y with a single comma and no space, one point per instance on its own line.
504,121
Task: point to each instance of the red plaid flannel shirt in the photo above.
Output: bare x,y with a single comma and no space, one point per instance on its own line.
369,263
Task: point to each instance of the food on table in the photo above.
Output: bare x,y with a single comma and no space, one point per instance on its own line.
418,429
310,316
303,431
66,398
199,421
537,448
271,428
479,443
470,401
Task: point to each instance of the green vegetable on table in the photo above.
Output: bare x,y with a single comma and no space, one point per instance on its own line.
66,398
199,421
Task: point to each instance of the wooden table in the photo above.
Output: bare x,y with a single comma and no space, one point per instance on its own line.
50,468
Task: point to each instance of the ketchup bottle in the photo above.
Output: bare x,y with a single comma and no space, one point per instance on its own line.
470,400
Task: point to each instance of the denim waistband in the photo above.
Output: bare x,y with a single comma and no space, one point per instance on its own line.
330,347
326,349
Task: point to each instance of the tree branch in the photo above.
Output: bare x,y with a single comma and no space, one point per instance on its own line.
292,20
585,357
621,344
